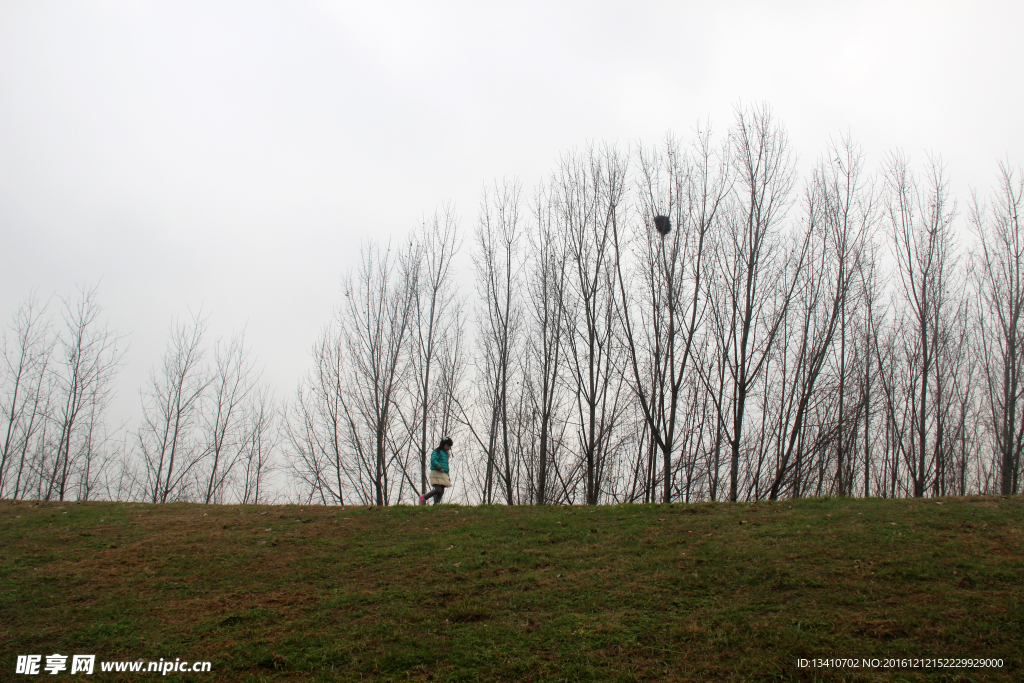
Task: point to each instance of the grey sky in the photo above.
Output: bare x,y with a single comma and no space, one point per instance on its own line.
232,156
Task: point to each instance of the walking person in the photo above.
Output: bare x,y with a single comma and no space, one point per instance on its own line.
438,472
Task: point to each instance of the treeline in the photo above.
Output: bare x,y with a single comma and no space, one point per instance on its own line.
687,322
57,379
208,431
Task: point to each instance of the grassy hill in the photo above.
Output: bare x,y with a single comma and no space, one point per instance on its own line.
451,593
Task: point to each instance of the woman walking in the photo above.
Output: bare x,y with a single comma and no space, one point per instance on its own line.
438,472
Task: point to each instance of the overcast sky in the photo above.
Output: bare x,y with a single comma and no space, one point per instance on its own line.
233,156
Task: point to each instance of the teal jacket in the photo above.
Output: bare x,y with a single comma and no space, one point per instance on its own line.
439,461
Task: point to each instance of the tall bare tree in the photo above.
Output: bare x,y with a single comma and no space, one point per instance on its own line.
375,321
920,222
88,359
258,459
591,191
434,328
871,319
25,378
318,426
839,216
224,425
498,261
545,341
689,190
170,450
617,362
756,271
1000,282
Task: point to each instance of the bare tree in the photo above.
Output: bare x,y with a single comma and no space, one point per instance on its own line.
343,426
453,368
224,427
1000,282
122,480
26,397
839,217
591,188
671,263
922,238
956,396
88,359
545,343
318,426
753,291
870,320
615,360
435,326
794,395
258,452
375,324
497,259
169,448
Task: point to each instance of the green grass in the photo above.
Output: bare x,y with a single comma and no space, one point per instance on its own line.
448,593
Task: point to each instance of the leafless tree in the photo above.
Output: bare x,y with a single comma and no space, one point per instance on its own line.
614,361
850,220
545,340
1000,281
920,222
435,326
375,328
793,395
498,261
170,449
257,459
756,271
121,480
661,321
318,425
25,381
453,367
344,428
591,190
816,340
871,319
88,359
225,429
956,396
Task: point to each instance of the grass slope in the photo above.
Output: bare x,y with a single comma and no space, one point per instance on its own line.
451,593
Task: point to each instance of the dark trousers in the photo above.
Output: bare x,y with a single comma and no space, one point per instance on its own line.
435,494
